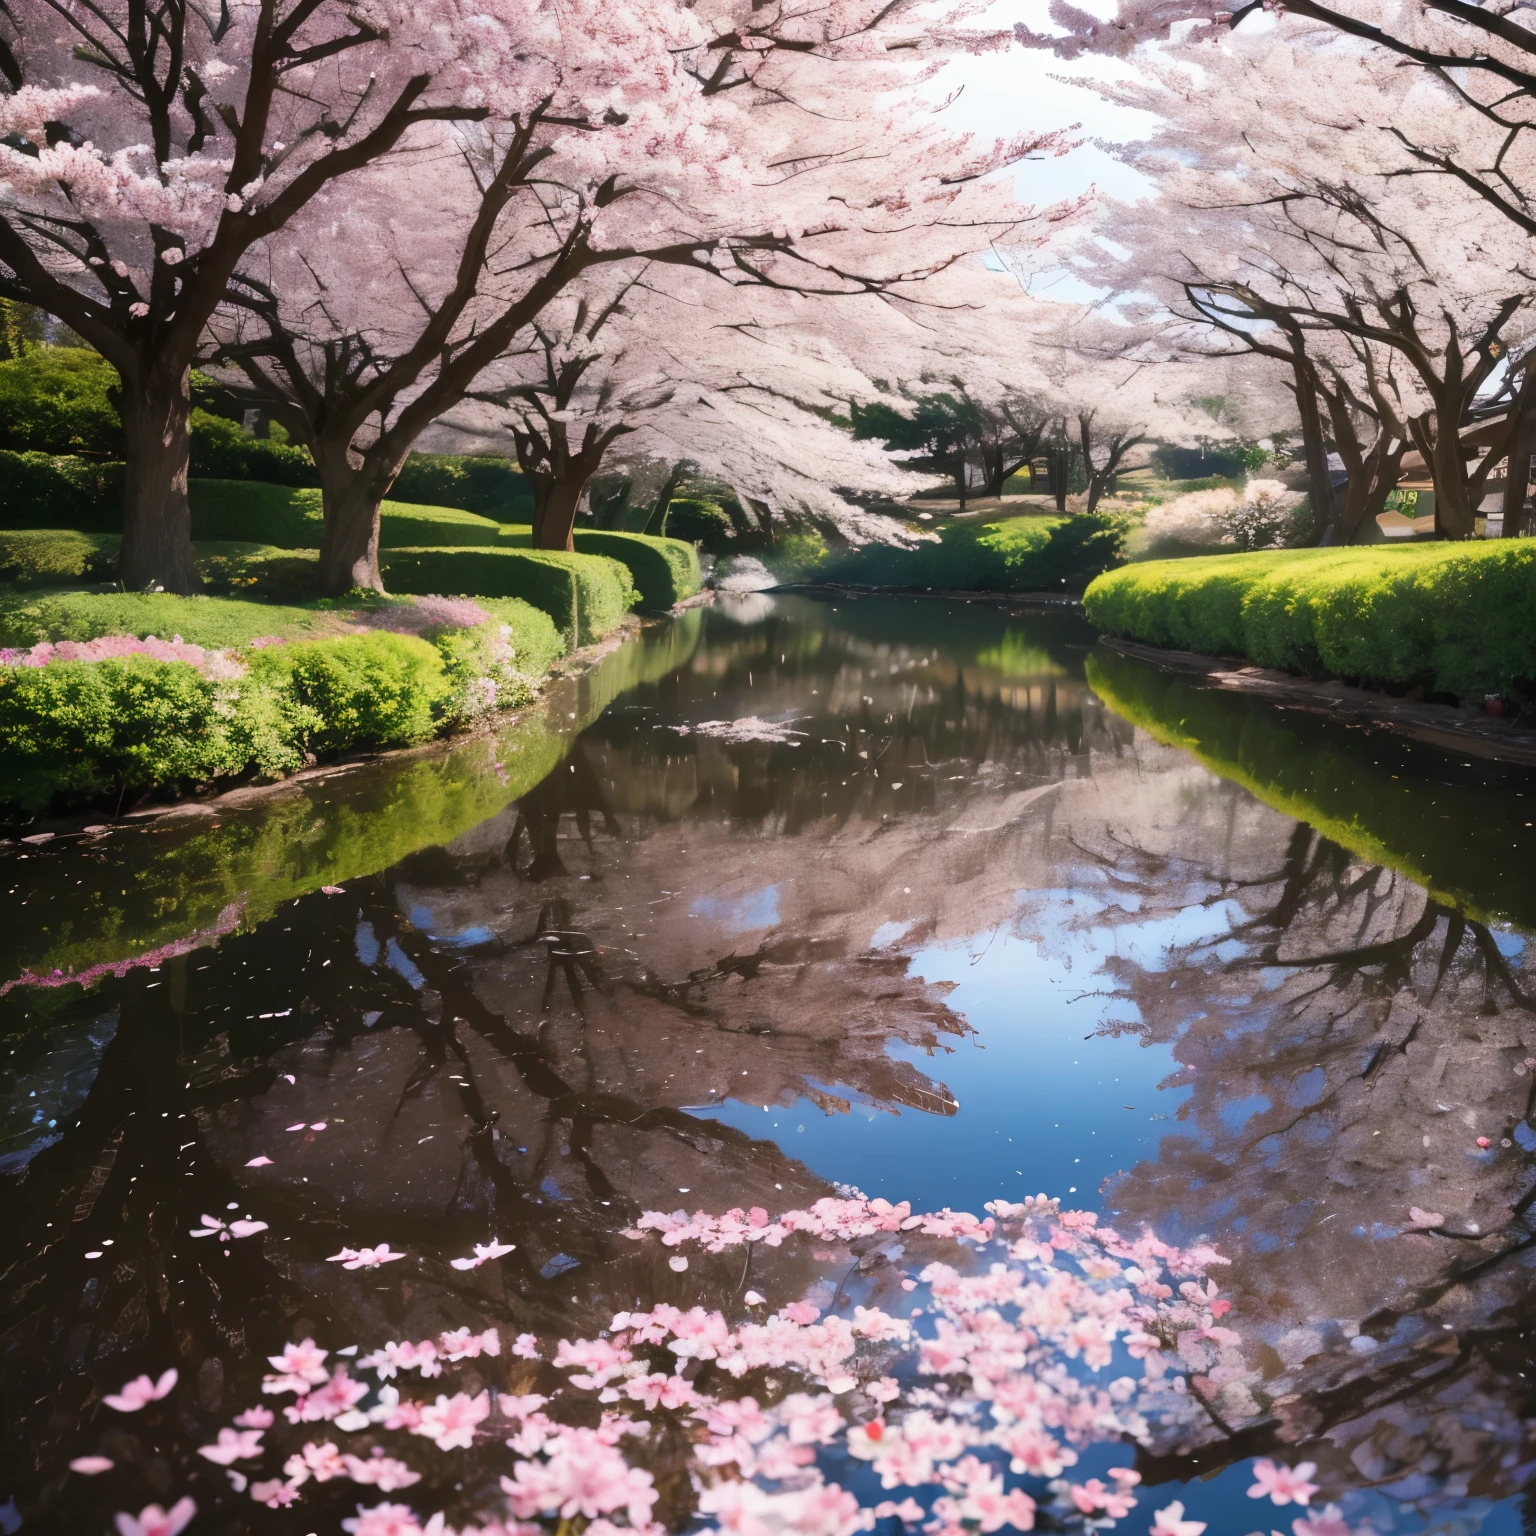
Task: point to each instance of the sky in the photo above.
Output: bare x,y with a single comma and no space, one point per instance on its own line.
1022,89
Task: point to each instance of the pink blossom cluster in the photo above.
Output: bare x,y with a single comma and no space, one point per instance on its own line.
995,1366
418,615
217,664
834,1220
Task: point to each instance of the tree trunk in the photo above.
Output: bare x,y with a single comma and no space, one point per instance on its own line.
554,513
157,522
1325,515
656,523
349,547
1366,495
1454,513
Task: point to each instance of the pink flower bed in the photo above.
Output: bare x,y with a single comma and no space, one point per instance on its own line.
1038,1334
111,648
424,613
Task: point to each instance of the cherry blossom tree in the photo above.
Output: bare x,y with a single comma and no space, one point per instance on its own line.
786,150
148,147
1290,225
741,382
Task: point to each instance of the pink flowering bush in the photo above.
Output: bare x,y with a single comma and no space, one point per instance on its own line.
965,1374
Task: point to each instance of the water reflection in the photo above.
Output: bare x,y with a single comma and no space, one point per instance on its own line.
862,940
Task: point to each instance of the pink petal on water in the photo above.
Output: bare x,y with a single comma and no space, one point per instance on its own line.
319,1125
298,1127
259,1162
677,1262
333,890
92,1466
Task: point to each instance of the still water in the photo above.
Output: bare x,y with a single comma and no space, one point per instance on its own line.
784,899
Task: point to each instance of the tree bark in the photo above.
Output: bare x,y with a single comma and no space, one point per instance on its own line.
656,523
554,511
1454,513
349,548
1325,513
156,409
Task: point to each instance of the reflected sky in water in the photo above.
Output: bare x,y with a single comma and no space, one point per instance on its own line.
963,910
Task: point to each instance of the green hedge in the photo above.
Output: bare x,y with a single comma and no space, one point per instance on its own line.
1457,619
664,571
586,595
223,449
38,490
1016,554
76,730
291,518
490,486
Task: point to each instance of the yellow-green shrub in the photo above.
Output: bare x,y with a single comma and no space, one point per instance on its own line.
1456,619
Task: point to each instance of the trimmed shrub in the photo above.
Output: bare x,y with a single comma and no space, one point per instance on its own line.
292,518
217,623
535,641
586,595
38,490
77,729
1457,619
378,690
664,571
56,557
1016,554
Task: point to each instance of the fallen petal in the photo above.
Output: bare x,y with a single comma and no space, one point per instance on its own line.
259,1162
92,1466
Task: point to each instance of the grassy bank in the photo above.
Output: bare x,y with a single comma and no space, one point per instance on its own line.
1394,807
1456,620
1032,552
118,908
95,709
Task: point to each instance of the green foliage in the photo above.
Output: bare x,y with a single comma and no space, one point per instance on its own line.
374,690
38,490
76,730
55,557
664,571
217,623
800,554
293,518
1017,554
1456,619
261,571
586,595
493,487
535,641
59,400
223,449
700,520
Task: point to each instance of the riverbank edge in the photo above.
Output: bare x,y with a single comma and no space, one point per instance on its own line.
186,807
1438,725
